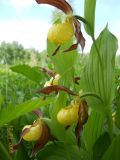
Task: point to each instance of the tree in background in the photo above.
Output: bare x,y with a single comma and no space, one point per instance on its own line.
11,53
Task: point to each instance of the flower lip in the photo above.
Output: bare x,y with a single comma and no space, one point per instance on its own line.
60,4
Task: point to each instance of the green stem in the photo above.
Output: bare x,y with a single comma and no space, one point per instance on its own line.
91,94
81,19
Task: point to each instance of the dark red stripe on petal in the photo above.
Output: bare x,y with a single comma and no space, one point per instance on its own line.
51,73
71,48
60,4
76,80
55,52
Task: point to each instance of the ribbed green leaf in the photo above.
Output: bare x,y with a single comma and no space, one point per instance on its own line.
9,113
93,129
113,151
98,76
89,15
32,73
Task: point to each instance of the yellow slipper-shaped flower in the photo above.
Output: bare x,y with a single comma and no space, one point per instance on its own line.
35,131
69,115
61,33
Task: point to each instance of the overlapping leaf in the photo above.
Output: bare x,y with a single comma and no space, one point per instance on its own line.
89,15
113,151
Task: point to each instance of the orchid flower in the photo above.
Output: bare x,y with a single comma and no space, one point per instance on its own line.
67,9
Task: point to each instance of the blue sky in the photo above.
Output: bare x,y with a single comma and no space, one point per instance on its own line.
27,22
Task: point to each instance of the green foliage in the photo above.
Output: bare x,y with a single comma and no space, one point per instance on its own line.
11,53
1,100
5,154
32,73
11,112
15,88
117,113
60,151
63,61
64,64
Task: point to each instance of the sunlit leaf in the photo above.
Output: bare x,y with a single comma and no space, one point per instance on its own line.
89,15
33,73
99,74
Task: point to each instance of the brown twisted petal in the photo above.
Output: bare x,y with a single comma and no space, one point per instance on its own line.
60,4
71,48
78,33
45,137
37,112
82,119
23,133
55,88
51,73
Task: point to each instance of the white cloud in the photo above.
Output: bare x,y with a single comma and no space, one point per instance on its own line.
21,4
28,33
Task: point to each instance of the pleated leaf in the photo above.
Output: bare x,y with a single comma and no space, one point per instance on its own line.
98,76
60,151
93,129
